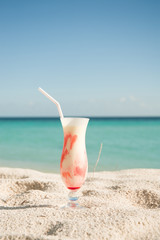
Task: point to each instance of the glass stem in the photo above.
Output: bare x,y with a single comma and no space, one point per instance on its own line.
73,198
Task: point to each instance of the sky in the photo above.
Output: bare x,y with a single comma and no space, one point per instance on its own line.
96,57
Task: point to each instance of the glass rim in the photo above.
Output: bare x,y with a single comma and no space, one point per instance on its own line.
76,118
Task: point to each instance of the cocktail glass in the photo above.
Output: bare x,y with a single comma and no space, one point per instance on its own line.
74,162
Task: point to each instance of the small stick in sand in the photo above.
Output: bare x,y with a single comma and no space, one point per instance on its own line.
97,159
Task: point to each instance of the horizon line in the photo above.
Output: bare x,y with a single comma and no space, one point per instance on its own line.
91,116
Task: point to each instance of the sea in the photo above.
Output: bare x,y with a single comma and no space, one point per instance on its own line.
36,143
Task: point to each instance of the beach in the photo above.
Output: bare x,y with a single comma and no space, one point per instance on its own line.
79,114
118,205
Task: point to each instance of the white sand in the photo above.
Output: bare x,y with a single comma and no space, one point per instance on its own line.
119,205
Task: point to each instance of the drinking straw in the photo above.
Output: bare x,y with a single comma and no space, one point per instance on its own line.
53,100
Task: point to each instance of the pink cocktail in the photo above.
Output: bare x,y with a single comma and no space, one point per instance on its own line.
74,163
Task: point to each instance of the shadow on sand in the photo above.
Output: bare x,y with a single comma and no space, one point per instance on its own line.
25,207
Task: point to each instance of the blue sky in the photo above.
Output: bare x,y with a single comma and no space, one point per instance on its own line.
95,57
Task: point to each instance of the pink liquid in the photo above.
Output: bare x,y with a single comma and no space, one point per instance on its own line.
73,188
74,163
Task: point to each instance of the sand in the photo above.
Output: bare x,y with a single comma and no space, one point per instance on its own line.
119,205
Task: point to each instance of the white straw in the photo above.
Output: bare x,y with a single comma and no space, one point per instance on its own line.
53,100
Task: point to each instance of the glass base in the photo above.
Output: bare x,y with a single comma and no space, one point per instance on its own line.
73,201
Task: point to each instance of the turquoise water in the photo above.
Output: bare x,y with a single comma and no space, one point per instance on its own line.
37,143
